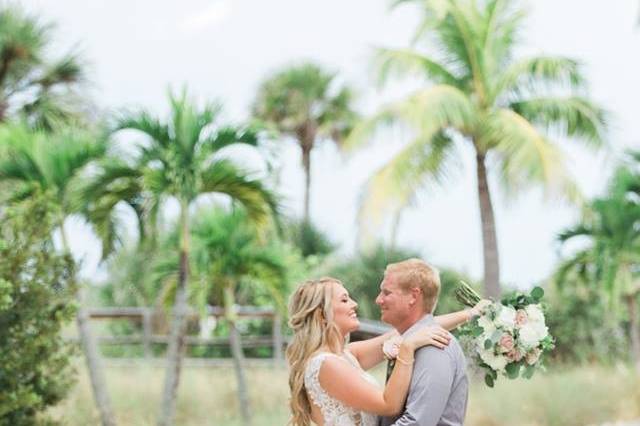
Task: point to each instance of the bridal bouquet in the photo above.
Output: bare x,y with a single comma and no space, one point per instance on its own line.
509,337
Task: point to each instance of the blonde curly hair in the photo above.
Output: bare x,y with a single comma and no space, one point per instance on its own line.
311,319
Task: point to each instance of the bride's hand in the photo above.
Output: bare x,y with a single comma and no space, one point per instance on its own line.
433,335
479,308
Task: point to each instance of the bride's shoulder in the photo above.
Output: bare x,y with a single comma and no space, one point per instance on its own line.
317,359
321,355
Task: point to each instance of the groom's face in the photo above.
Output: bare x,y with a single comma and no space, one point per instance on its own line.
394,301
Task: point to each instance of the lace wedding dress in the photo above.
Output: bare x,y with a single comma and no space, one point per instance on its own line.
334,412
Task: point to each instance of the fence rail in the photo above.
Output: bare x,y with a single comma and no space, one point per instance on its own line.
145,315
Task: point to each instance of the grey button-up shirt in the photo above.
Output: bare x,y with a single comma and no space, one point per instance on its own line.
439,387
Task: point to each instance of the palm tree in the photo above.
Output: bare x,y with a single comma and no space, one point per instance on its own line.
303,103
228,256
179,160
503,108
34,161
40,89
612,228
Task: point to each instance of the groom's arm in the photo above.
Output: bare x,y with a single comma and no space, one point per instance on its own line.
431,384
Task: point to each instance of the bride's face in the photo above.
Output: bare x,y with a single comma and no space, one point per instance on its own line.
344,310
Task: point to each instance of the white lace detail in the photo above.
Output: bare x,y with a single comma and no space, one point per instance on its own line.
334,412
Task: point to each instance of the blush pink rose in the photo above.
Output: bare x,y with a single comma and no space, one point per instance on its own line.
521,317
506,343
533,356
514,355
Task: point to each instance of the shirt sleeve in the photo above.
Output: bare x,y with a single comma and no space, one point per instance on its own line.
430,388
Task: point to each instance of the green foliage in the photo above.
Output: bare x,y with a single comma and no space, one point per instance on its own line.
228,254
519,300
578,317
308,238
182,159
591,283
36,301
33,160
130,278
297,99
36,87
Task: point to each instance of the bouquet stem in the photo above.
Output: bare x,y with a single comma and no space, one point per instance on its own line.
467,295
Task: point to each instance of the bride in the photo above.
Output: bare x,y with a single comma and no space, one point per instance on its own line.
321,315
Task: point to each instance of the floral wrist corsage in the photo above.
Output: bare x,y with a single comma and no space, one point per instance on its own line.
391,347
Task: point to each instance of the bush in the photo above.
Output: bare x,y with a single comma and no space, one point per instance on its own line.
36,294
582,324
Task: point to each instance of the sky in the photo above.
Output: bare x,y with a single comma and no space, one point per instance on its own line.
223,49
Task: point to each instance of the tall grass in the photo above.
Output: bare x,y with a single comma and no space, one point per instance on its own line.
572,396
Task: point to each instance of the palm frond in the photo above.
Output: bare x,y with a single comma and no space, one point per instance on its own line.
580,230
145,123
224,177
427,112
526,157
99,194
66,153
573,116
409,62
423,164
545,70
230,135
65,70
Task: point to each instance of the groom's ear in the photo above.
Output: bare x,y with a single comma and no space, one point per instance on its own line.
416,296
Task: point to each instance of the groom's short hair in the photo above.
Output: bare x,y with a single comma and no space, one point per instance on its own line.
416,273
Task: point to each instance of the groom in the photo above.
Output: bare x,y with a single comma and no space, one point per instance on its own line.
439,387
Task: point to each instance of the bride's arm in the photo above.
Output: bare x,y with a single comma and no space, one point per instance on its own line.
345,383
369,352
454,319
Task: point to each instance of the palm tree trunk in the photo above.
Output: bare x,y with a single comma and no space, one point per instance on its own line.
395,227
306,164
238,358
634,330
3,110
175,351
489,238
91,354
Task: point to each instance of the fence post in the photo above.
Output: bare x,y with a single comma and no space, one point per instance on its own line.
277,337
147,331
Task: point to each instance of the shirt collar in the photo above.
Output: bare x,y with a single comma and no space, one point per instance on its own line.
424,321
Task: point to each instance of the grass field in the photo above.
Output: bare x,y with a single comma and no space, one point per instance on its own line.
569,396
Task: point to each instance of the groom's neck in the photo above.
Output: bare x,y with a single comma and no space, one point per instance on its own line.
410,320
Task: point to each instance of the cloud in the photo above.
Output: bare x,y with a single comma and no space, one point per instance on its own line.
205,18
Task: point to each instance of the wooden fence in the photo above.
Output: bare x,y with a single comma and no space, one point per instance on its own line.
277,340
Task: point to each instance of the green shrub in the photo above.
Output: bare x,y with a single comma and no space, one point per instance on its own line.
35,302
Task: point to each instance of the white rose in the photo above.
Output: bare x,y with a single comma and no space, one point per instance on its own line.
534,312
531,334
496,362
506,318
486,324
